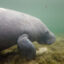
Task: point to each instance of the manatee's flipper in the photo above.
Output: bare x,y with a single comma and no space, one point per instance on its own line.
26,47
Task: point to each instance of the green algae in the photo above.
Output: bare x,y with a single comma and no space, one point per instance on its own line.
54,54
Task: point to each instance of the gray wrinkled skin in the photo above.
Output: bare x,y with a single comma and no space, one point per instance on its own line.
14,24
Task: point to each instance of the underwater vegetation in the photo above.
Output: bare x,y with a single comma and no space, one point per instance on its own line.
52,54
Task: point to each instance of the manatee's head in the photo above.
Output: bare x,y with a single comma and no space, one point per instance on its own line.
47,38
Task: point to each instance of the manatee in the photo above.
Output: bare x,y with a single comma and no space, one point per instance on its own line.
23,29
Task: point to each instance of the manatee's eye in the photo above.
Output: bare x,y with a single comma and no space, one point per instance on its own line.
48,40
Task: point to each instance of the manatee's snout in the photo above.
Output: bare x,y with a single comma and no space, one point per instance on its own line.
48,38
51,38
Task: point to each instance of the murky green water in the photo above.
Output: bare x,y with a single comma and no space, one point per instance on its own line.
51,12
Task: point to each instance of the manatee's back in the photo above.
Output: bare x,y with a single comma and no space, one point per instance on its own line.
13,24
